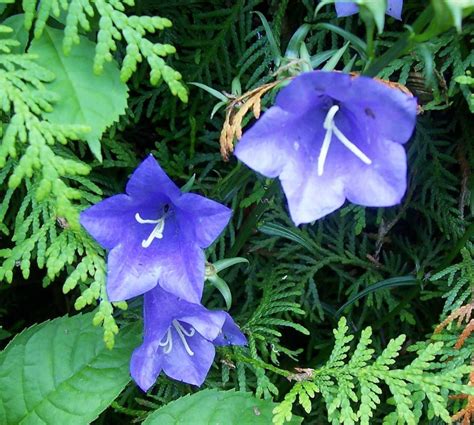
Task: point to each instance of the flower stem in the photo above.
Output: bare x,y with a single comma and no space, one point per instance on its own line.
401,46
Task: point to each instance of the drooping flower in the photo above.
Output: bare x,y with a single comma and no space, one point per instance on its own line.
394,8
179,339
155,235
332,136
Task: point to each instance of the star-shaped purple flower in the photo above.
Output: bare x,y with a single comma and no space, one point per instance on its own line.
332,136
179,338
155,235
394,8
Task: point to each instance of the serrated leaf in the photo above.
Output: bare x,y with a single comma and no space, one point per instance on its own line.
60,372
212,407
96,101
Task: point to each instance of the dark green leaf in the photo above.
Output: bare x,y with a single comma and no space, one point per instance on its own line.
213,407
60,372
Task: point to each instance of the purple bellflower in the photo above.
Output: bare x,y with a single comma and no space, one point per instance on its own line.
179,338
155,235
332,136
394,8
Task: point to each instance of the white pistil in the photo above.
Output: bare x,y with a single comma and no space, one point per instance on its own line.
157,231
182,335
331,129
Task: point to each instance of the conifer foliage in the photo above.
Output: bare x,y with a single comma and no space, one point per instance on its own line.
365,315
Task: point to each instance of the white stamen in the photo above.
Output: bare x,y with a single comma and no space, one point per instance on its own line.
349,145
182,332
143,221
167,342
331,130
157,231
329,120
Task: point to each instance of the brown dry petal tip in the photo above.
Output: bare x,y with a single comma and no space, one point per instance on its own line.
236,112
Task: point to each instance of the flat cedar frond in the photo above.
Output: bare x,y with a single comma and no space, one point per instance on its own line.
236,112
351,382
461,314
466,415
114,26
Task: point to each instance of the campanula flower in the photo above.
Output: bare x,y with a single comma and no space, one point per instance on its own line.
394,8
179,339
155,235
332,136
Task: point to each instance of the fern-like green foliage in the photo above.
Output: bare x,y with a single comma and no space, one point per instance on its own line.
43,173
114,26
352,383
457,281
24,98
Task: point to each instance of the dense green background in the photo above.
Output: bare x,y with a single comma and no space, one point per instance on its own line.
71,137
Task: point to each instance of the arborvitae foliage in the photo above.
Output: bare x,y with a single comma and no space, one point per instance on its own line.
402,276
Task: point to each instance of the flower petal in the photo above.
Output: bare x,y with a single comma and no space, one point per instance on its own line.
346,8
391,113
259,148
208,323
394,8
175,262
131,271
310,196
231,334
183,268
383,182
145,365
108,222
150,182
192,369
206,218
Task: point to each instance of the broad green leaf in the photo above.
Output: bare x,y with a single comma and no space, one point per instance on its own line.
20,34
212,407
60,372
96,101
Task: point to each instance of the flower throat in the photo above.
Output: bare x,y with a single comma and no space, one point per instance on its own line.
331,129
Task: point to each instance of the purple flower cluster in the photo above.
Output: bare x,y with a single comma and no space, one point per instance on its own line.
329,137
155,235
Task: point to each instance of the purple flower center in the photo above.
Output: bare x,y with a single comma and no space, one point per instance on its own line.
331,129
167,341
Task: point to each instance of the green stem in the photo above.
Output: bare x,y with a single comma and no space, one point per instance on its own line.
263,365
370,41
251,221
401,46
458,247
